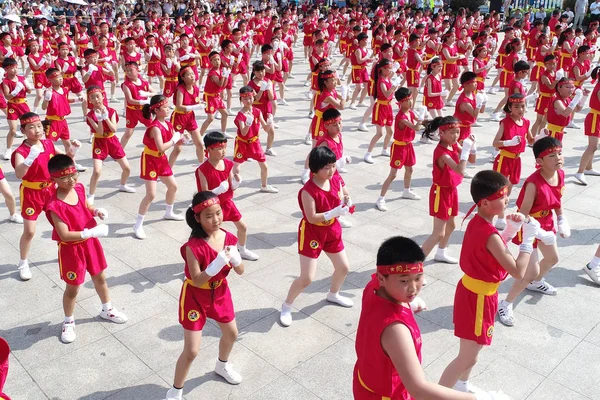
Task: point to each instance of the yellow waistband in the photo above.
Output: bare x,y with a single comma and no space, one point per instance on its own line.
400,143
555,128
206,285
188,64
68,76
175,79
358,67
37,72
55,118
135,107
35,185
480,79
153,153
480,287
251,140
539,64
448,62
542,94
383,102
104,135
325,223
540,214
508,154
19,100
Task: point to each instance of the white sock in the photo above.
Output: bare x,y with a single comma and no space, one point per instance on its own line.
380,198
139,220
23,262
106,306
69,320
407,190
595,262
368,153
177,390
169,209
440,252
506,303
91,198
241,248
286,307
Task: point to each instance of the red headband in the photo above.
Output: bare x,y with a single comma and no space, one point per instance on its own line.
503,191
217,145
327,76
247,94
91,54
55,74
159,104
134,66
184,70
401,268
549,151
70,170
332,121
95,90
513,100
63,45
205,204
214,55
565,82
450,125
30,120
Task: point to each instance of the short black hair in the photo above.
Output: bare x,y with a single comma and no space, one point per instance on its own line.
467,76
486,183
8,62
399,249
545,144
508,106
521,66
214,137
50,71
60,162
319,158
246,89
331,113
402,93
190,216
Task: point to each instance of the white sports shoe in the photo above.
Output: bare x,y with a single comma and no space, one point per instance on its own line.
340,300
139,233
248,255
380,205
308,139
363,127
542,287
225,370
496,117
591,172
68,333
410,195
450,103
16,218
286,315
7,154
572,125
594,274
353,107
24,271
425,140
126,189
269,189
385,152
114,315
270,152
80,168
174,216
174,394
369,159
505,313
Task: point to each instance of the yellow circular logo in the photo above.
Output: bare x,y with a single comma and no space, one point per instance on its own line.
238,155
211,109
430,105
127,122
490,331
97,151
11,111
39,85
397,163
54,134
152,174
197,99
71,275
179,127
193,315
168,92
450,211
314,244
384,121
29,211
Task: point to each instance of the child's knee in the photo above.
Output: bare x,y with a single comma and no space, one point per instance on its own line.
191,354
242,227
71,291
231,334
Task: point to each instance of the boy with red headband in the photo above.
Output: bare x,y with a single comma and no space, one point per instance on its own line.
93,75
388,339
79,250
137,92
67,64
485,261
216,80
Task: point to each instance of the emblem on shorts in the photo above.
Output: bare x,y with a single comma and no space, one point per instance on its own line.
179,127
238,155
127,122
11,111
450,211
490,331
39,84
314,244
152,174
71,275
54,134
211,109
193,315
29,211
97,151
544,213
197,99
384,121
397,163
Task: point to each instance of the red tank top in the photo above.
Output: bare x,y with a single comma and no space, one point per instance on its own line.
59,104
446,176
38,172
77,217
96,78
67,66
135,90
509,62
476,260
465,118
135,57
336,147
411,58
436,85
511,130
594,102
12,85
264,98
254,128
324,200
319,105
165,131
553,117
205,254
547,197
545,89
214,177
404,133
210,86
354,61
189,99
105,129
37,60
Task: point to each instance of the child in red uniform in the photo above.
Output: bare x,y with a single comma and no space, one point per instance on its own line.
187,102
485,261
15,90
403,153
449,163
79,250
547,88
92,75
137,92
566,101
433,94
414,63
38,62
216,81
247,144
209,254
67,64
513,132
325,97
159,137
383,116
170,68
388,339
592,131
323,199
540,195
9,199
521,72
215,174
468,105
102,121
30,161
263,101
360,76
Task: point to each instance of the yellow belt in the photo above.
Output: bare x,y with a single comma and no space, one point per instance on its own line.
400,143
540,214
481,289
55,118
318,114
448,62
72,243
508,154
175,79
251,140
539,64
506,71
19,100
565,54
104,135
358,67
204,54
480,79
153,62
135,107
542,94
153,153
186,64
206,285
37,72
325,223
35,185
383,102
555,128
68,76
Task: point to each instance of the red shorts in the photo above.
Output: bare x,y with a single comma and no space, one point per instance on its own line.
14,110
133,117
463,62
413,78
382,114
213,103
109,146
184,121
242,68
229,84
265,108
360,74
3,103
433,103
153,167
75,259
197,304
73,85
449,71
33,201
39,80
559,135
402,155
230,211
443,202
317,128
154,69
506,79
312,239
306,41
243,151
592,124
58,130
170,87
509,167
542,104
204,62
467,325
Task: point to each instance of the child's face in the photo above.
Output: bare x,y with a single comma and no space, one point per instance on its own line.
66,182
402,288
131,72
333,129
93,59
34,47
450,136
551,162
34,131
162,111
471,86
217,153
437,68
330,83
185,41
189,77
12,70
523,74
58,81
169,53
247,100
550,65
496,207
64,52
388,54
326,172
131,46
259,74
96,99
216,62
103,43
566,90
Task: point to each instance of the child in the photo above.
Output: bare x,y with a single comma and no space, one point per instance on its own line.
547,88
414,63
468,105
79,250
137,92
403,153
360,76
159,137
15,90
263,101
215,175
102,121
9,199
593,267
433,95
187,102
541,193
449,164
563,106
209,254
38,62
592,131
216,81
247,144
170,68
485,261
323,199
388,339
521,72
513,132
449,56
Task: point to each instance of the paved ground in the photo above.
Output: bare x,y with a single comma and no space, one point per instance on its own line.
551,353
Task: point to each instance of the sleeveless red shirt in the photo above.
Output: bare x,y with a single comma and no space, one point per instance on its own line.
446,176
205,254
77,217
476,260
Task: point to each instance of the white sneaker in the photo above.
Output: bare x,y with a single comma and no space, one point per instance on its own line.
505,313
291,76
68,333
580,178
425,140
139,233
113,100
500,224
230,111
126,188
466,387
344,223
16,218
282,102
363,127
591,172
114,315
308,139
496,117
80,168
353,107
248,255
174,394
285,317
90,139
385,152
19,135
270,152
24,271
362,104
410,195
269,189
306,84
342,170
7,154
594,274
340,300
542,287
491,90
225,370
445,259
572,125
174,216
369,159
311,114
380,205
467,175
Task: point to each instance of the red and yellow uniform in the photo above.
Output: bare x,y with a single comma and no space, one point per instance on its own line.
382,111
507,75
39,78
477,64
171,80
317,129
443,195
583,68
539,67
545,93
449,67
413,77
106,143
214,177
186,120
435,102
211,300
465,119
58,109
248,146
592,122
155,164
565,59
133,112
96,79
69,68
154,68
402,152
75,258
327,235
190,62
264,104
106,57
212,92
16,106
508,160
204,45
476,296
359,70
557,123
36,186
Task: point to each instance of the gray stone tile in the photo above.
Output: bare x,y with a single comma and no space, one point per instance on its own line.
549,390
283,387
579,370
19,384
152,387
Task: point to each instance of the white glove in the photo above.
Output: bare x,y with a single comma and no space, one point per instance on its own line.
2,72
554,41
42,61
369,53
75,146
217,264
9,53
225,72
143,93
169,63
231,59
395,66
344,92
92,68
95,232
589,73
563,227
193,107
222,188
560,74
444,93
491,396
418,305
396,81
48,94
583,100
240,57
19,86
264,85
28,84
546,237
176,137
577,41
490,65
102,211
144,102
512,142
235,257
347,159
270,119
185,57
512,228
420,113
466,149
530,231
249,119
578,96
34,152
339,211
479,100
